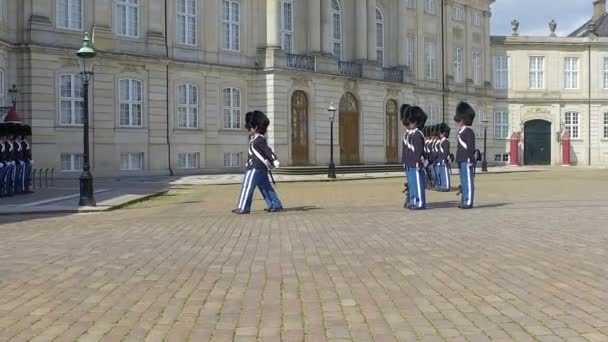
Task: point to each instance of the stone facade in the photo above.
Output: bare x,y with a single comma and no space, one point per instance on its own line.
172,82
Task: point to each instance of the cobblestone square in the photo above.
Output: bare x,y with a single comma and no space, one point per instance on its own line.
345,262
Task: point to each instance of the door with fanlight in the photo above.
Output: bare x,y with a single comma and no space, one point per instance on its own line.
392,132
299,128
349,130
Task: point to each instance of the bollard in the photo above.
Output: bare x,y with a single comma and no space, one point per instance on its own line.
40,178
46,178
52,177
33,179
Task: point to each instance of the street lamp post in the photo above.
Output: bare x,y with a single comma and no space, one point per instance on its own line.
87,197
332,167
484,164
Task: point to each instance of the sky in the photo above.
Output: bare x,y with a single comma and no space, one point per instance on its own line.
534,16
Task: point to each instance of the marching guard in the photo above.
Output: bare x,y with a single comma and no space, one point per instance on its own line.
443,161
465,154
412,155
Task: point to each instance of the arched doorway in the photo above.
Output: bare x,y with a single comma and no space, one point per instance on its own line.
392,132
299,128
349,129
537,142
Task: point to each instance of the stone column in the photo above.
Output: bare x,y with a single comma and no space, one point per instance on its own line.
326,27
371,30
273,23
314,25
402,29
103,14
361,19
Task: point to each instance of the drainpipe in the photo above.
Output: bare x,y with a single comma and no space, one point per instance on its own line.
443,69
167,83
589,103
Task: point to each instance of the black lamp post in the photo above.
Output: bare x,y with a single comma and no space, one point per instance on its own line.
87,197
484,164
332,167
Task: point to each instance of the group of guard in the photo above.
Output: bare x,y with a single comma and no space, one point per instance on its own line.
15,159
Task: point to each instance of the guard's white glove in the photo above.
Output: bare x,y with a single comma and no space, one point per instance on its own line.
1,165
21,163
31,162
276,163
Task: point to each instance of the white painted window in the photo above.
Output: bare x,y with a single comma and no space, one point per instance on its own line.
432,114
458,13
232,108
410,53
71,161
187,106
605,136
430,60
380,36
131,102
458,56
336,19
411,3
501,125
605,72
572,124
186,22
71,100
231,25
537,72
430,6
571,73
69,14
476,18
188,160
127,18
477,68
501,72
479,117
287,25
501,157
132,161
232,159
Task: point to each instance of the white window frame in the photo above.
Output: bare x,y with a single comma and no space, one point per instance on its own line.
430,60
501,72
431,114
131,161
479,117
380,36
232,104
73,162
571,72
501,125
287,35
410,53
605,72
188,160
132,103
75,98
458,64
536,69
476,18
69,15
477,67
411,4
189,16
129,5
187,111
430,6
336,25
572,124
231,26
233,159
458,13
605,135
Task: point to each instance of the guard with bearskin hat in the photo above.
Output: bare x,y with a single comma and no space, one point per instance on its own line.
413,162
4,166
465,154
404,113
261,160
443,161
27,157
19,160
10,159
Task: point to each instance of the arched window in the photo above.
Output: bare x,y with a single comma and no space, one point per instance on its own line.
287,25
336,18
380,36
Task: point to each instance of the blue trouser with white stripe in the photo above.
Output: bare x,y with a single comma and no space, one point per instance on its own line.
257,178
416,184
10,178
444,177
467,183
3,179
19,168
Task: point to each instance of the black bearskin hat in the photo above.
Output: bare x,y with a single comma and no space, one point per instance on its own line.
27,130
417,116
257,120
404,114
2,130
11,129
19,130
444,129
465,113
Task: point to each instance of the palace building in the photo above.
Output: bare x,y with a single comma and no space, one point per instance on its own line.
173,79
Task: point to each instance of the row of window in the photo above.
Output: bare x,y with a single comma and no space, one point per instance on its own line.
458,72
537,72
130,103
135,161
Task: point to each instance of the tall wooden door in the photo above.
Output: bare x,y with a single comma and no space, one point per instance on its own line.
392,132
537,142
299,128
349,130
